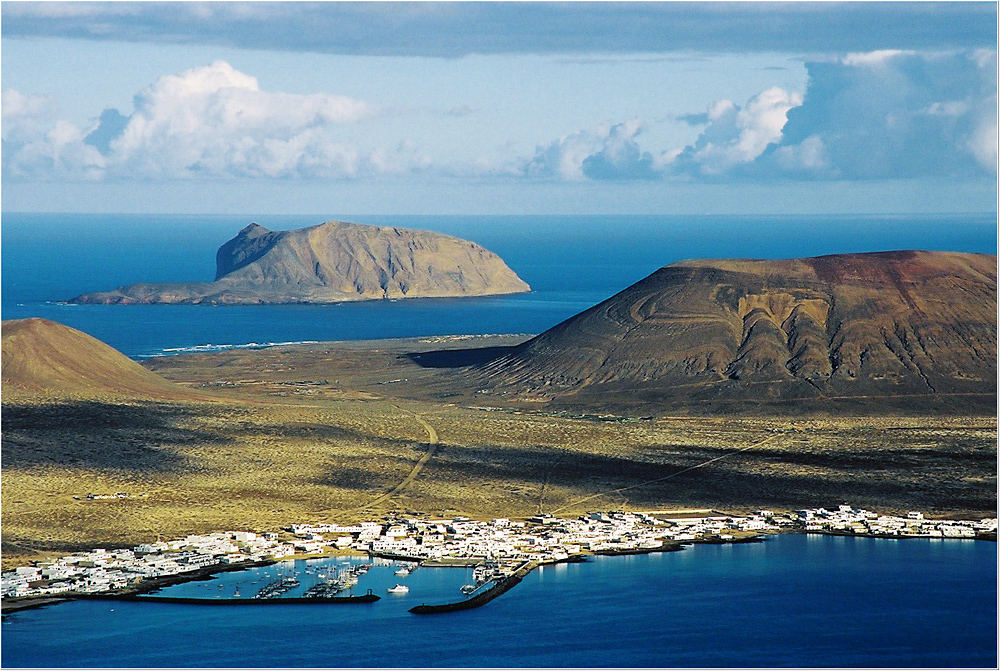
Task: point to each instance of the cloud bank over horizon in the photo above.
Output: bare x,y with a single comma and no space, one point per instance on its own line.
863,116
888,114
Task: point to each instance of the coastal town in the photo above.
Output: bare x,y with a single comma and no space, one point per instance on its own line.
501,545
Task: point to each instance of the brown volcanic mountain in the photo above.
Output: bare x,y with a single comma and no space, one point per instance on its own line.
334,262
46,360
855,328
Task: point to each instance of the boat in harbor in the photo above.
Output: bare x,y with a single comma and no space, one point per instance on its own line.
403,571
277,588
398,589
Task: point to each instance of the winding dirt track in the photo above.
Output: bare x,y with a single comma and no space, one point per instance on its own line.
432,445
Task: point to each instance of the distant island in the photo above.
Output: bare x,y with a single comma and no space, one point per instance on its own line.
330,263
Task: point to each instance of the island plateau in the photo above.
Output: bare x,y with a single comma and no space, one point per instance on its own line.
330,263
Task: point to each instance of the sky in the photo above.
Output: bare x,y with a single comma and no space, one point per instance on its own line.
499,108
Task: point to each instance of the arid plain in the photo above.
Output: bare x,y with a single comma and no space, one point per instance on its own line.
262,438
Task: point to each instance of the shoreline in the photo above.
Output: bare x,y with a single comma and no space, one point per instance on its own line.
133,593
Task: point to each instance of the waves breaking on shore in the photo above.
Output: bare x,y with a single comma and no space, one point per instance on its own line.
209,347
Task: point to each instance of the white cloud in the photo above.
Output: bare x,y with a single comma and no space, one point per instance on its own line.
893,114
982,144
216,120
735,135
18,107
58,151
874,58
605,152
34,143
564,157
206,121
808,156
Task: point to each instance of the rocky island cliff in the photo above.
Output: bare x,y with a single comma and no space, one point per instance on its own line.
912,329
330,263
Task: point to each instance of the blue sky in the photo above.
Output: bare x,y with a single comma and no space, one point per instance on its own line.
429,108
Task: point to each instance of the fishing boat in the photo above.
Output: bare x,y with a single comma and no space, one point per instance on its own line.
398,589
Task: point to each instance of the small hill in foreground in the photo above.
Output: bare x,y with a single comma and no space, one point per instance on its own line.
910,330
45,360
334,262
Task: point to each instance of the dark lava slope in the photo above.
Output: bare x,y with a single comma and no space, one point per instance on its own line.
907,330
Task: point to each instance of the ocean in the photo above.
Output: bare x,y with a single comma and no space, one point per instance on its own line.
792,601
571,263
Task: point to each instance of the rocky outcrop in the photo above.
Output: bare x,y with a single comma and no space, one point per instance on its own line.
334,262
856,326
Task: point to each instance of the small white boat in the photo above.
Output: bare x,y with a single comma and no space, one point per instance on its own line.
403,571
398,589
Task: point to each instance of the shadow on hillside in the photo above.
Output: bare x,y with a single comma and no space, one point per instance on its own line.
105,436
457,358
329,432
922,481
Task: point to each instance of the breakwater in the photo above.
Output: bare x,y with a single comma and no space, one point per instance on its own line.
715,540
480,599
315,600
666,547
10,605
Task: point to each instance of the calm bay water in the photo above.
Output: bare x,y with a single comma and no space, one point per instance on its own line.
570,262
792,601
799,601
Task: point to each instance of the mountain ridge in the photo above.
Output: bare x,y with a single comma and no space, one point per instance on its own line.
724,331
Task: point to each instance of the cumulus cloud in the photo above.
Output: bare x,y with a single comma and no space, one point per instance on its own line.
35,143
206,121
605,152
737,135
892,114
888,114
217,120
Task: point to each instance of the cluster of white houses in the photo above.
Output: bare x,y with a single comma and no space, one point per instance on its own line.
542,538
867,523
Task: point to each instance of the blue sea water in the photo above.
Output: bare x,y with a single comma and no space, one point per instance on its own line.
571,263
792,601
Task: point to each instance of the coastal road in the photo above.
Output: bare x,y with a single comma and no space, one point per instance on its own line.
666,477
432,445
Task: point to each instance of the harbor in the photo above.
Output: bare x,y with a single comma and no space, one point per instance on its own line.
318,563
237,601
808,581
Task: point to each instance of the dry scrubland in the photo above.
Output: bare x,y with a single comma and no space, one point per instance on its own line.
323,432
